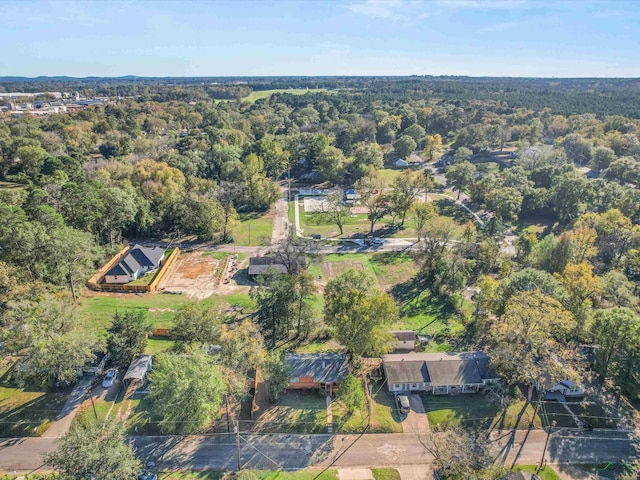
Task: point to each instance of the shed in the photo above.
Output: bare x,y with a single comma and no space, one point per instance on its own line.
137,371
400,163
265,265
404,340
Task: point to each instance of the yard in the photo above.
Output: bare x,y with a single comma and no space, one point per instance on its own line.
357,224
295,412
254,230
386,418
28,412
97,309
547,473
475,409
588,412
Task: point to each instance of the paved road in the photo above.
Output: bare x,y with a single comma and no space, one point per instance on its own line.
369,450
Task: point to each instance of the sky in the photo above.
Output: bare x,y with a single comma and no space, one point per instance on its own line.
532,38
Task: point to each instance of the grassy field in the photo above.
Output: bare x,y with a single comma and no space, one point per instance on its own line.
547,473
254,230
97,310
260,94
590,413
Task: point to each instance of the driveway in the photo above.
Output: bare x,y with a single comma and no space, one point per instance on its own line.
62,424
417,420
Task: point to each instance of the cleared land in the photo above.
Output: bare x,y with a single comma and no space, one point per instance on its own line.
194,274
254,230
260,94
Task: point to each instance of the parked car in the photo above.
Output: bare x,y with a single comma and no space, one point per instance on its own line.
403,404
109,378
147,475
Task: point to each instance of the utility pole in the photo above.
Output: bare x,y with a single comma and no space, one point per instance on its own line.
93,405
226,398
544,450
237,429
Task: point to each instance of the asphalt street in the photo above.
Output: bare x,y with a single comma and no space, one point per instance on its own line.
291,452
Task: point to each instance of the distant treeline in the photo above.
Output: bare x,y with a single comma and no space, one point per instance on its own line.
600,96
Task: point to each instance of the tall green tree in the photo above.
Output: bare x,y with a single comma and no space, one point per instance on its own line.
187,391
359,314
195,324
460,175
128,336
371,196
95,450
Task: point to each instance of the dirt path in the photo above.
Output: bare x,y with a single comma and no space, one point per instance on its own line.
280,221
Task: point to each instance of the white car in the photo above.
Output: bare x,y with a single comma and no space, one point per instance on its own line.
109,378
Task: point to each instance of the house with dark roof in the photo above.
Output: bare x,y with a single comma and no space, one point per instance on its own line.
265,265
404,340
439,373
323,371
138,261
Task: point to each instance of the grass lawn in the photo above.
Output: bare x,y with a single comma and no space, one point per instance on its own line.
97,310
254,230
28,412
547,473
158,345
388,268
259,94
385,474
475,410
385,416
590,413
296,412
612,470
389,174
345,423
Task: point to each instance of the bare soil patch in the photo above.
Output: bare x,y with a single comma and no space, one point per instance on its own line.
193,274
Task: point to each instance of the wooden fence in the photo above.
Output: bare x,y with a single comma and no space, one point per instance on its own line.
94,282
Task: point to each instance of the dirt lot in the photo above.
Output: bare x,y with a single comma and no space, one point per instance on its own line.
194,274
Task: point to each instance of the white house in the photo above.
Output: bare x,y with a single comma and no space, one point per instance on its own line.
137,261
400,163
439,373
565,388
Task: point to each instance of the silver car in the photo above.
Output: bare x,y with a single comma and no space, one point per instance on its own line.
109,378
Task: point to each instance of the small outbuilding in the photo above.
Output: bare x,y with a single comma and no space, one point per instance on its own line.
138,370
404,340
322,371
400,163
265,266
